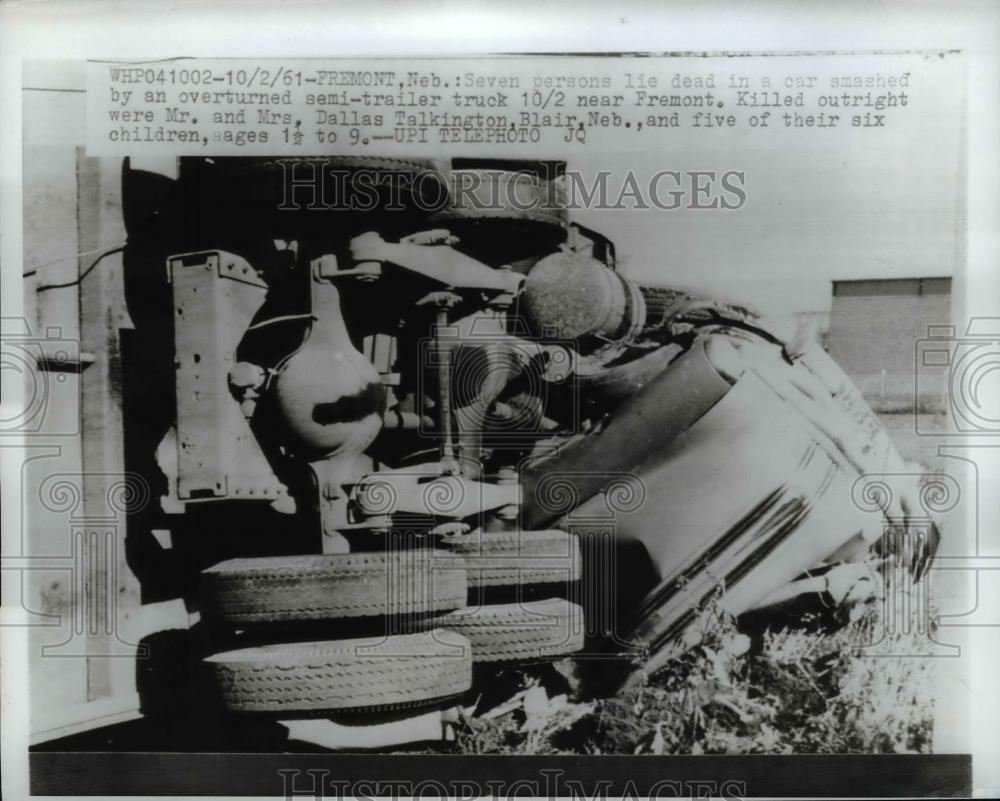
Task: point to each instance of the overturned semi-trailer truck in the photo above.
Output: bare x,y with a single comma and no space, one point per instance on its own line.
414,432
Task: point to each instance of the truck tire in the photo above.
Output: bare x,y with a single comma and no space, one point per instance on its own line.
518,558
367,674
237,197
283,589
501,195
501,217
520,631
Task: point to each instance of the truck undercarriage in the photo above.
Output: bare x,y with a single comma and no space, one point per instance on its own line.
408,424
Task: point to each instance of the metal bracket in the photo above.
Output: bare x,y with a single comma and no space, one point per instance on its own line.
63,362
440,263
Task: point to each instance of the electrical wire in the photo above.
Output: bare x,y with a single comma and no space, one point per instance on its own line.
38,267
83,275
283,318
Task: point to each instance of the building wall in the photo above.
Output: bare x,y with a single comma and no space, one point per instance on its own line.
873,333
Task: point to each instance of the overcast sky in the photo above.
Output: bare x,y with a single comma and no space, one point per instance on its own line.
822,204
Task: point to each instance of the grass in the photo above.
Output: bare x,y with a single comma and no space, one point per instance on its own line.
792,691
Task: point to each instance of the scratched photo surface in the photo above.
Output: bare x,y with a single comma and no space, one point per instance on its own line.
524,405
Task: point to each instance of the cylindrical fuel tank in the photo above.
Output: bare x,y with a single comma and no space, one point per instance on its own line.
571,295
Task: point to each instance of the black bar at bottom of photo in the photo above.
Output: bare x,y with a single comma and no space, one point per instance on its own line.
425,776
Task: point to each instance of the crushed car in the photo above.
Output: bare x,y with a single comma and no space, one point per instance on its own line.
408,442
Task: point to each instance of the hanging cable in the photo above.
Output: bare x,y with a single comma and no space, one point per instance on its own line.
83,275
37,267
282,319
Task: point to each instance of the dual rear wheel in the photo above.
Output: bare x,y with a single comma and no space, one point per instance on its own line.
413,637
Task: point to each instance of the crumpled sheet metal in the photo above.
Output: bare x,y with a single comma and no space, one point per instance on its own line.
746,499
741,487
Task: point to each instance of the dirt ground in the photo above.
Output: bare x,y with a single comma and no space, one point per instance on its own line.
905,430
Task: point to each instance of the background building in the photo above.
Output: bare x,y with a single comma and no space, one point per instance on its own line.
874,327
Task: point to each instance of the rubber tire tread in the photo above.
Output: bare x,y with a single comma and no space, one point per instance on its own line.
519,632
513,559
374,673
331,587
